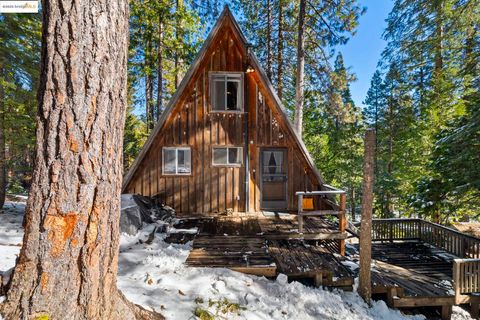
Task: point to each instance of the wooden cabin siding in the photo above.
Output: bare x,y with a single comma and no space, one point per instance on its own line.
210,189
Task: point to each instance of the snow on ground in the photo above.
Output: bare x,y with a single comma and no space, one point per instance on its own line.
11,233
154,275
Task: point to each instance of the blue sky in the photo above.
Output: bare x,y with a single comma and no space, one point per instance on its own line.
363,51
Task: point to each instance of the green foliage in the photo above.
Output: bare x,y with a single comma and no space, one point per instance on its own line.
203,314
134,138
19,78
333,134
15,187
222,308
425,111
164,38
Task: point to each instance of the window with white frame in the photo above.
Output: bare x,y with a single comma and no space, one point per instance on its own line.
227,91
227,156
177,160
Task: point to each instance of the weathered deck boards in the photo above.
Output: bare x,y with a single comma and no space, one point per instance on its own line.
413,274
239,243
245,226
299,260
240,253
286,227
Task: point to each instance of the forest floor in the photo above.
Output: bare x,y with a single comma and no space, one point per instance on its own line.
155,276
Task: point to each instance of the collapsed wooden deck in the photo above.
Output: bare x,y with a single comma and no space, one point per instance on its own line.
414,264
251,245
413,274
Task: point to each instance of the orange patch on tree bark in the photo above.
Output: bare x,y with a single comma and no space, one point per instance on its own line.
74,242
60,98
73,143
43,282
60,229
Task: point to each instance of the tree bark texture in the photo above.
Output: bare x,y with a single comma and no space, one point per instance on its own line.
280,51
300,79
149,105
3,160
269,39
439,20
160,70
364,286
67,267
179,36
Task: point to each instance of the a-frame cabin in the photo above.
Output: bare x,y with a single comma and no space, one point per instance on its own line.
224,142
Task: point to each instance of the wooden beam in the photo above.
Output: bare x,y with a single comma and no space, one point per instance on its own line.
308,236
446,312
364,287
320,213
342,221
434,301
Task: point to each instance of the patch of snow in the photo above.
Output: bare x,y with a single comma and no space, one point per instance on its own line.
282,278
127,201
189,231
11,233
176,289
350,264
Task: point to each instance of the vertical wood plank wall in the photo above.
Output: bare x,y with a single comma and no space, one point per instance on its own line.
211,189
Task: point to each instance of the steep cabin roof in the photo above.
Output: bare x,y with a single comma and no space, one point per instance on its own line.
225,23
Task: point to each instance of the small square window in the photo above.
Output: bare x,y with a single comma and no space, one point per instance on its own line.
226,91
227,156
177,160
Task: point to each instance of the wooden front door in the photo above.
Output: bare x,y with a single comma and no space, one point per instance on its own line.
274,178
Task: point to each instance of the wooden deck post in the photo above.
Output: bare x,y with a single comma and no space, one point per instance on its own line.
365,283
456,280
474,307
300,210
342,220
446,312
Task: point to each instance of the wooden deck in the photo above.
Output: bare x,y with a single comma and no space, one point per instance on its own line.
414,261
414,264
251,245
270,226
413,274
286,227
245,254
299,260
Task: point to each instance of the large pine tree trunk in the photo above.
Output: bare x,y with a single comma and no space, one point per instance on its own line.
3,161
280,51
179,47
364,285
269,39
67,267
439,21
149,87
160,70
299,90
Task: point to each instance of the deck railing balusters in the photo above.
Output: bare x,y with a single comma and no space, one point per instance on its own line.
466,277
452,241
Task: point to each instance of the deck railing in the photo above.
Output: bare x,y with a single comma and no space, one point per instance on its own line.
466,280
395,229
339,210
452,241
